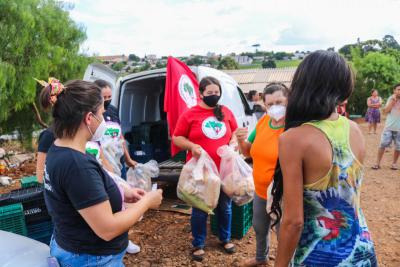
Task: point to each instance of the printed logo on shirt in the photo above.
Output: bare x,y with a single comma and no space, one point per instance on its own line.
46,179
186,91
93,148
113,130
213,128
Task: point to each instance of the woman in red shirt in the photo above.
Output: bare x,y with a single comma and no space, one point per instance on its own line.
207,126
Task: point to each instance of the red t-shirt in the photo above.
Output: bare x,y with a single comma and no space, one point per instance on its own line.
201,127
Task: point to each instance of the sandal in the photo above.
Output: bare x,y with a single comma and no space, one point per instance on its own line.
228,247
199,256
394,167
376,167
253,263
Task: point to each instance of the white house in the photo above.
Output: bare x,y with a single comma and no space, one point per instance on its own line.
243,60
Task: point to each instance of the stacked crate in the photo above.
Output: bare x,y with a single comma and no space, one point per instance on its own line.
242,219
36,219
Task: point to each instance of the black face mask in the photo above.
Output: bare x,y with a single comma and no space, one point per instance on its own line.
211,100
107,103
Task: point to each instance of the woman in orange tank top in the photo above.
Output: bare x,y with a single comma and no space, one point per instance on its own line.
262,147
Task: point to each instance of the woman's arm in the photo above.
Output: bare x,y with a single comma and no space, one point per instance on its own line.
185,144
369,103
106,164
290,158
244,146
107,225
40,162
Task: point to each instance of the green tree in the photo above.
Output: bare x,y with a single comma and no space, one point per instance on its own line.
147,66
373,70
228,63
160,65
212,61
118,66
268,64
133,57
194,61
388,41
38,39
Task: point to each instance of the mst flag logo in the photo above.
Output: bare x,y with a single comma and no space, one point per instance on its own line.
213,128
186,91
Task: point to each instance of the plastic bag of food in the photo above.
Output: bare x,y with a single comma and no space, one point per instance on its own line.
113,150
236,176
140,176
199,184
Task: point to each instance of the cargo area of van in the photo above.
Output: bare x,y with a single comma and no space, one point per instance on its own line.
145,127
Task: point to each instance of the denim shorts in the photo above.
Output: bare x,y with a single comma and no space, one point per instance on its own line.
70,259
390,136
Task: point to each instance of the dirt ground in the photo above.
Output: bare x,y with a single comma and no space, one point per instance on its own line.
165,238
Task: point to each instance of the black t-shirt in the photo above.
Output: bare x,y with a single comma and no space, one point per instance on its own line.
74,181
111,114
46,139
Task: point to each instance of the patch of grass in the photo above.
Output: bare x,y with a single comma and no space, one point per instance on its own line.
287,63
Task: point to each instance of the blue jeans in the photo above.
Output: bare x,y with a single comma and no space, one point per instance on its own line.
70,259
199,222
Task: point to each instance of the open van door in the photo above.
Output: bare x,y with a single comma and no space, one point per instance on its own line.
97,71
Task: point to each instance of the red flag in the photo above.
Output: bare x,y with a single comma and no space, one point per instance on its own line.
181,93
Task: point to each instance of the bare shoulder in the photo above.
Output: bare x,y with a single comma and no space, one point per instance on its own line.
355,130
298,137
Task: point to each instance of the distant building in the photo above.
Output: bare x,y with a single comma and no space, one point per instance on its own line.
243,60
257,79
112,59
152,59
259,58
211,55
299,55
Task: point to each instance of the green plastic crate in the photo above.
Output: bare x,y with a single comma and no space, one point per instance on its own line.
29,181
180,157
242,219
12,219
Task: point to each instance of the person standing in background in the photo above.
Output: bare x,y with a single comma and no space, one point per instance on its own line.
373,115
113,135
391,133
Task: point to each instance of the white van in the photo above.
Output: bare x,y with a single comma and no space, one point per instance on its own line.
140,100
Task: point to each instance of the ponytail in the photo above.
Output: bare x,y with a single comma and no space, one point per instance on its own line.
218,113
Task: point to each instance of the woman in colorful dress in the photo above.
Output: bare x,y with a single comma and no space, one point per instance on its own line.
316,188
193,134
373,116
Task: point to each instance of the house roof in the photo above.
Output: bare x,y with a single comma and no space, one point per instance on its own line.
257,79
112,58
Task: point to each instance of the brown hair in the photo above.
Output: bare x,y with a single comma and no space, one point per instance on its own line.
274,87
206,81
73,103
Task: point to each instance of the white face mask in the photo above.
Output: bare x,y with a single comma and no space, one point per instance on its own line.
277,112
99,133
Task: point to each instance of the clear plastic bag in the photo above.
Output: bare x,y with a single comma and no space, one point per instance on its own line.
236,176
199,184
140,176
113,150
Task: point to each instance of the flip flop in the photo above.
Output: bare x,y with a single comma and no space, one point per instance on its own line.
376,167
394,167
198,257
229,250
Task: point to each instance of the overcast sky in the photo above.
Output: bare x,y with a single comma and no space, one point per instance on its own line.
184,27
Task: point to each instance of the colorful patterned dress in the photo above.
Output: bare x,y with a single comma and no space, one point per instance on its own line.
373,115
335,231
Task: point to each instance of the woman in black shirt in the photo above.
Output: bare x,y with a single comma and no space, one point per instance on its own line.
90,227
